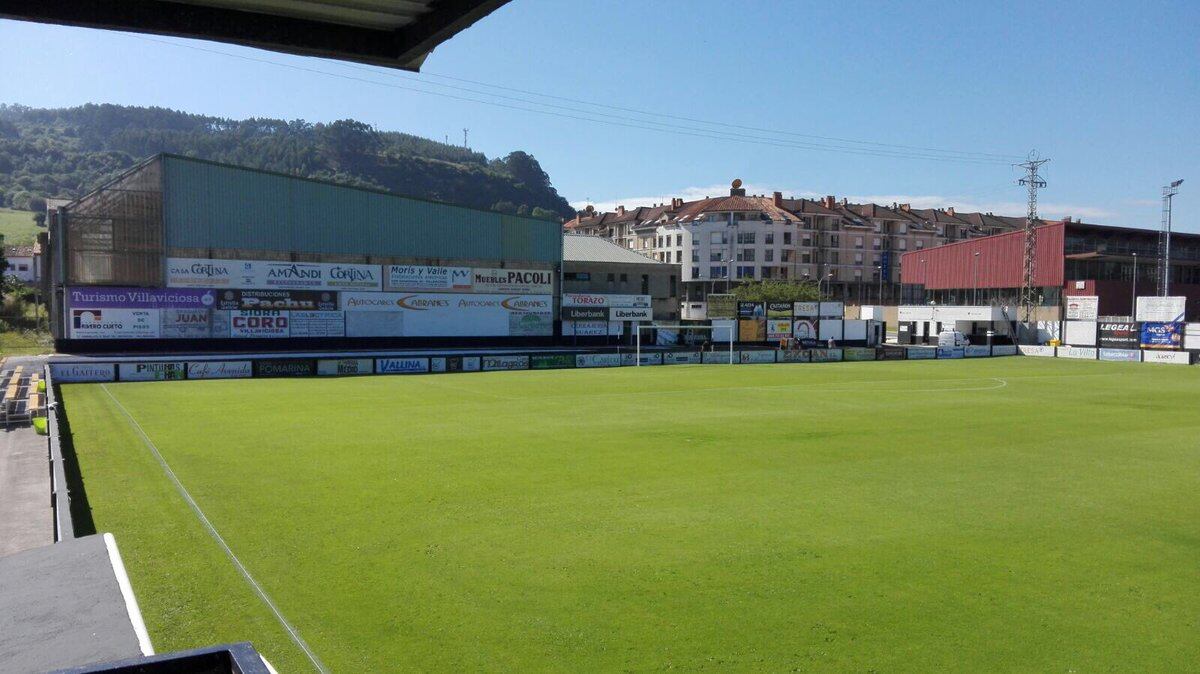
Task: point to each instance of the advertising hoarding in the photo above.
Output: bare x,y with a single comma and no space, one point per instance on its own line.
1034,350
779,328
804,329
890,353
151,371
260,274
751,310
112,323
757,357
829,328
1079,333
858,353
629,314
67,373
317,323
1161,309
826,355
219,369
683,358
489,363
185,323
806,309
301,300
1082,307
977,351
1004,349
719,357
921,352
423,278
517,282
598,360
951,352
832,310
551,361
454,364
722,306
794,356
779,310
642,359
1077,352
254,323
1118,335
333,367
447,315
585,313
1169,357
1128,355
604,300
285,367
752,330
401,365
1161,335
139,298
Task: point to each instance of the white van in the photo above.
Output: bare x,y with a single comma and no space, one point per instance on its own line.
952,338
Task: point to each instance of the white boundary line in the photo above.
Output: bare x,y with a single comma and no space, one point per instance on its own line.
262,594
131,605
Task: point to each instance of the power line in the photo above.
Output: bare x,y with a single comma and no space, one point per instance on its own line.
616,121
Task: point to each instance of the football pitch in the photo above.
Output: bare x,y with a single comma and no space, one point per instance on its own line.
995,514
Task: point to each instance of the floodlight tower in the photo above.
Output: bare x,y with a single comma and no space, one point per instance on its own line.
1028,283
1164,238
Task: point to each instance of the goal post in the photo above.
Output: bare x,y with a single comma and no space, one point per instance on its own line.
683,329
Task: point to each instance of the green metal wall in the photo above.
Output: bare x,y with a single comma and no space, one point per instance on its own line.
208,205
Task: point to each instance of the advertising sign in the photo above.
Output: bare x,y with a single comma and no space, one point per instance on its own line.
302,300
752,330
150,371
447,315
1162,335
683,358
951,352
751,310
584,314
288,367
890,353
401,365
629,314
1078,352
454,364
1082,307
719,357
1004,349
794,356
722,307
551,361
203,273
826,355
1033,350
597,360
779,310
1129,355
219,369
517,282
418,278
185,323
807,309
604,300
139,298
66,373
977,351
1119,335
1171,357
332,367
921,353
585,328
1161,309
779,328
643,359
504,363
756,357
186,272
317,323
832,310
267,323
1079,333
804,329
105,323
858,353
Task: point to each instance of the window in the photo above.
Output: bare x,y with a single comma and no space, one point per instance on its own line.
858,242
695,272
769,255
717,272
745,272
612,278
875,243
624,278
679,256
920,244
715,256
678,239
695,256
646,284
858,274
787,255
769,238
577,276
902,228
858,258
745,237
806,258
745,255
833,257
766,272
834,240
695,241
787,238
902,244
718,237
807,241
878,228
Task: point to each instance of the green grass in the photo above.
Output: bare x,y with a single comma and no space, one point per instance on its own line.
23,343
1008,514
17,227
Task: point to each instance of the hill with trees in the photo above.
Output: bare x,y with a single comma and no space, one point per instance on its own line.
66,152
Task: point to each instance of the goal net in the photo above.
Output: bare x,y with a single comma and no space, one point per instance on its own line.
677,334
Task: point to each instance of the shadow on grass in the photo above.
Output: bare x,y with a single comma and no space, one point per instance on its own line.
81,510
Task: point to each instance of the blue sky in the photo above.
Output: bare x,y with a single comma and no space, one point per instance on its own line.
1109,91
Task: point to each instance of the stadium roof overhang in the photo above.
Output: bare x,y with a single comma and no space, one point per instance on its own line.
393,33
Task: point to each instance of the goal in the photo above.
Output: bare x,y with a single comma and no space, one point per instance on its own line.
687,332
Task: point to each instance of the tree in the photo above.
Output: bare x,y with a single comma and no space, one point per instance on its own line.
777,291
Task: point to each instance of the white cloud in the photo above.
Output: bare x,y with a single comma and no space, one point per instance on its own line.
960,203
